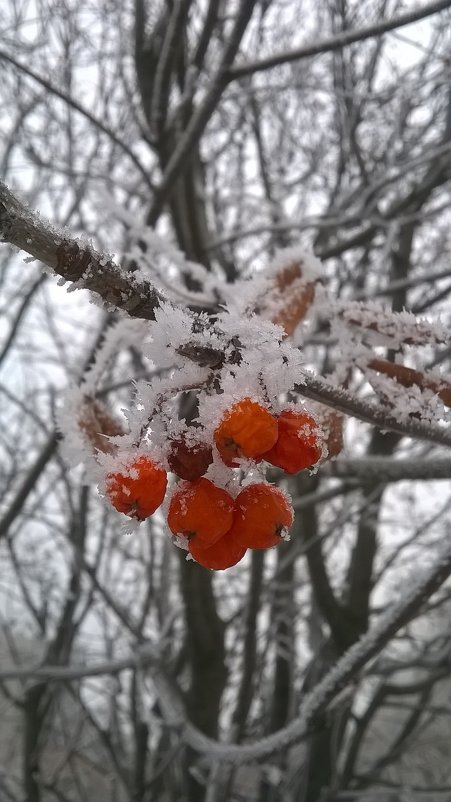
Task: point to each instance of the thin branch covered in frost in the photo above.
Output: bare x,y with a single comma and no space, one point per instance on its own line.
392,327
344,401
387,469
75,104
141,658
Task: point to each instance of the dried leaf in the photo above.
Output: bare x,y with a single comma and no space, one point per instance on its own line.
332,424
290,300
409,377
98,424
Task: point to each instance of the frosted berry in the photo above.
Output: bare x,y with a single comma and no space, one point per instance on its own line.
246,430
262,515
200,510
137,489
298,445
189,460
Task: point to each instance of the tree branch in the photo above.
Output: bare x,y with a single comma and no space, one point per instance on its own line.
388,469
75,261
338,42
49,87
90,270
342,400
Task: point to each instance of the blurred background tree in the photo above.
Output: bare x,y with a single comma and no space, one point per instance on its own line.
233,129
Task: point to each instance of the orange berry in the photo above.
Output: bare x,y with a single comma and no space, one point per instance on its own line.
227,551
138,489
298,445
189,460
200,510
262,514
247,430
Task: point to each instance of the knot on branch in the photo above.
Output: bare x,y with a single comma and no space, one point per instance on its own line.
75,262
5,220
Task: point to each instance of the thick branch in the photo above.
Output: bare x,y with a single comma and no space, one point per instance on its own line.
202,114
74,261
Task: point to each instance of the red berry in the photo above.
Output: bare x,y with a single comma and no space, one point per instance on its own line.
298,445
138,489
227,551
246,430
200,510
262,515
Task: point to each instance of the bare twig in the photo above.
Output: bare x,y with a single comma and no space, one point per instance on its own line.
338,42
70,101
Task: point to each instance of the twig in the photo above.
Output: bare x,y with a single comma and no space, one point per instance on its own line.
338,42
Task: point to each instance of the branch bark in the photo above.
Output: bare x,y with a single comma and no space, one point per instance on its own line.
75,261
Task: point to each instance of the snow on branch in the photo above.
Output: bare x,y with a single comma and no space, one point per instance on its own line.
392,327
343,400
239,344
75,260
387,469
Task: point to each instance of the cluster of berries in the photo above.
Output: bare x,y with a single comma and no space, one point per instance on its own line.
218,528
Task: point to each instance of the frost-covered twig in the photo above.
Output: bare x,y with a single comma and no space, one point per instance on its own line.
74,260
344,401
399,327
387,469
141,658
337,42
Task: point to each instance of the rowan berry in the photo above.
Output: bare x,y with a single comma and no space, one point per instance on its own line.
200,510
246,430
189,460
227,551
138,489
262,515
298,445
